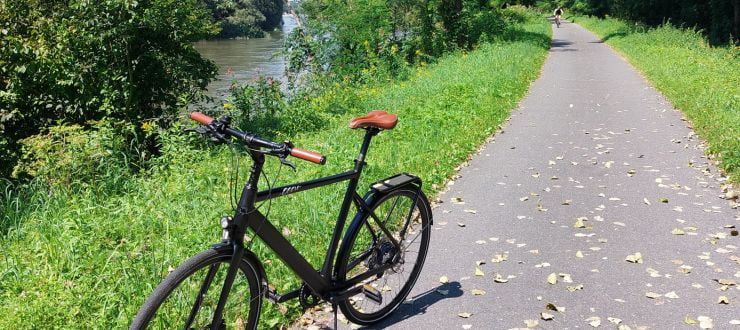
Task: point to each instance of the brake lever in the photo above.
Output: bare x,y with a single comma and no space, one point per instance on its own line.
287,163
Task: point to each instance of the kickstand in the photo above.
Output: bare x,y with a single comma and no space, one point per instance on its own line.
334,309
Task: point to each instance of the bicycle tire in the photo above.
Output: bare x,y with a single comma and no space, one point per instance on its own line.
356,237
182,274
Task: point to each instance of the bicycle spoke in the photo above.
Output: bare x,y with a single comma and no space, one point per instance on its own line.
201,294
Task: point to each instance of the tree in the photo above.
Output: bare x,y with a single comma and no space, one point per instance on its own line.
75,61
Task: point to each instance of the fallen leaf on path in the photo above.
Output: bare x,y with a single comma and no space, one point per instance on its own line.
477,292
678,231
653,295
614,320
567,202
464,315
575,288
579,254
634,258
500,258
552,307
688,320
531,323
552,278
671,295
444,280
594,321
479,272
467,326
663,200
457,200
579,223
726,281
646,201
705,322
546,316
471,211
723,300
500,279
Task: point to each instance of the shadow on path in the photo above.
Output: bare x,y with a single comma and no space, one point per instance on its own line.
418,304
560,45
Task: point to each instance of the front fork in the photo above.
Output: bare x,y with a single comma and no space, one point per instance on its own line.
233,230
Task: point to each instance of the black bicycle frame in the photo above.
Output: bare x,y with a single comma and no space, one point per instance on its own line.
248,216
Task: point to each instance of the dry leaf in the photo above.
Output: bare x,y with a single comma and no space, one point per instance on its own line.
531,323
688,320
471,211
457,200
614,320
444,279
678,231
634,258
567,202
653,295
477,292
646,201
479,272
579,254
546,316
500,258
723,300
500,279
464,315
594,321
705,322
663,200
579,222
575,288
552,278
671,295
467,326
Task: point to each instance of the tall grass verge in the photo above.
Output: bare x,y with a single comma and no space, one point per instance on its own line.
702,81
88,260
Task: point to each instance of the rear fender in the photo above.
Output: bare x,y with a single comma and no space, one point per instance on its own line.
377,191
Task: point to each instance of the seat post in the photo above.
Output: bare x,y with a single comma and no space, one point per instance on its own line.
370,132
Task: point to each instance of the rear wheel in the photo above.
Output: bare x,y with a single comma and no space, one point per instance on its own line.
407,216
187,298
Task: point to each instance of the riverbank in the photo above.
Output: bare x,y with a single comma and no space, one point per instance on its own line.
702,81
92,259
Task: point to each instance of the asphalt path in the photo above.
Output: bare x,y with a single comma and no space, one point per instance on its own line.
594,168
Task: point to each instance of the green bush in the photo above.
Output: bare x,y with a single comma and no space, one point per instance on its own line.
76,61
72,156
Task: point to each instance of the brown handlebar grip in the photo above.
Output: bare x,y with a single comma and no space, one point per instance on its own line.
308,155
201,118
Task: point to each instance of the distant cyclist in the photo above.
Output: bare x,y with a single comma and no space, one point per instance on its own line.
558,11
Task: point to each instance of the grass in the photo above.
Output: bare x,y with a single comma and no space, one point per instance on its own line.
701,81
91,259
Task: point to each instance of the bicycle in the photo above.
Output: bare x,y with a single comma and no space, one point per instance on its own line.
364,275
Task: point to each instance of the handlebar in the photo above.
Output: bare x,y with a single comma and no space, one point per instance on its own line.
282,148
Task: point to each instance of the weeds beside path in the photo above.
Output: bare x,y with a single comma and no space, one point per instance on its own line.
702,81
91,260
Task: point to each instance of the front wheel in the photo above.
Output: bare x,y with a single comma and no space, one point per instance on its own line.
188,297
406,214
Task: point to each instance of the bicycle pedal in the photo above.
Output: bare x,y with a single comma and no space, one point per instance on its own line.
372,294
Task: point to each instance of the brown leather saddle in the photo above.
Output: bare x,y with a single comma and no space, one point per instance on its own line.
376,119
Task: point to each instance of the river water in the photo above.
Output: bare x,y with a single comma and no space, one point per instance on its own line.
241,60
